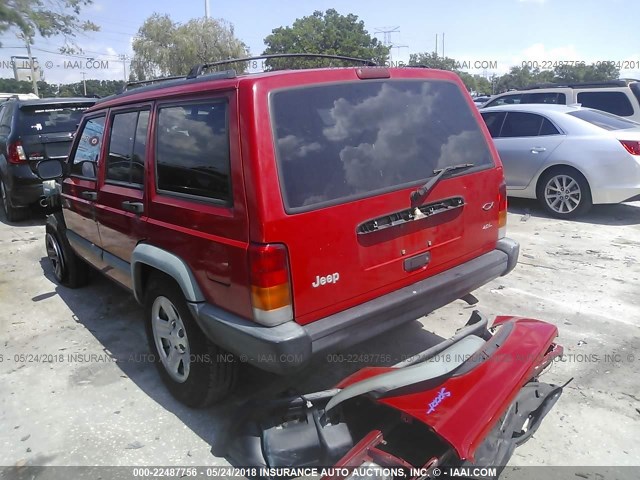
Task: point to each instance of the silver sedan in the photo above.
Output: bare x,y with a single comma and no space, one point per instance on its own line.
567,157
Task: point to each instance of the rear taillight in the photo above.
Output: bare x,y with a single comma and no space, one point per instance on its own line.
632,146
15,152
502,210
270,285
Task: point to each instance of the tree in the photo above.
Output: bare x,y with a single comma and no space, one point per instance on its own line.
326,33
432,60
50,18
163,47
585,73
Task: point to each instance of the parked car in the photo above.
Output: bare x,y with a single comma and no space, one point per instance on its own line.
32,131
480,101
283,214
567,157
21,96
620,97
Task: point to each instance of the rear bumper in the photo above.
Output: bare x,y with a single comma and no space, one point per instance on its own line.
25,188
289,347
616,195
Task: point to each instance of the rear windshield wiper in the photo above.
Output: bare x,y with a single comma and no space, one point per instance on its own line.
421,193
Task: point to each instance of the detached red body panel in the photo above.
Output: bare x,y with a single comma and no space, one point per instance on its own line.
465,407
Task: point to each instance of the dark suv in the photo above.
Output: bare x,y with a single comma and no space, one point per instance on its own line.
281,214
32,131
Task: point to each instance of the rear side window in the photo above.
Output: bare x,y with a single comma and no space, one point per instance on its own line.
635,88
33,120
5,119
341,142
127,144
88,149
612,102
192,150
548,128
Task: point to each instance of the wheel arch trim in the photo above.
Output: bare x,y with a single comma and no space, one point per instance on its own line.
168,263
536,180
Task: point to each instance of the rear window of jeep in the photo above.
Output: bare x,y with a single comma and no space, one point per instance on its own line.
341,142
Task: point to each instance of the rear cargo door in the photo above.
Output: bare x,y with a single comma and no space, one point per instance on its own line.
349,156
46,131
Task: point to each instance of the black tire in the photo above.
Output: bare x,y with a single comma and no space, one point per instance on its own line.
13,214
564,192
68,269
202,372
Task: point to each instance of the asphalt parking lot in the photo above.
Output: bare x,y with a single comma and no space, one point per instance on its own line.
99,402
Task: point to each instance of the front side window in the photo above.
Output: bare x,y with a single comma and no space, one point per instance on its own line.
192,150
494,122
85,156
125,161
505,100
339,142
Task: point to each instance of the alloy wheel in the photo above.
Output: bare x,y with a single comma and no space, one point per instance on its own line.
54,252
562,194
170,337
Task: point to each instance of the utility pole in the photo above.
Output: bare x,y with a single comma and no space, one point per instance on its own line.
27,41
84,82
206,9
442,44
436,50
124,58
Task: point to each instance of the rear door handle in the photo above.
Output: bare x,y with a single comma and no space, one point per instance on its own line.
538,150
93,196
135,207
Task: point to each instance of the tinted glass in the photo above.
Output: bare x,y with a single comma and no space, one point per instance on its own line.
33,120
519,124
494,122
88,149
123,130
506,100
192,154
139,149
544,97
604,120
347,141
612,102
548,128
5,115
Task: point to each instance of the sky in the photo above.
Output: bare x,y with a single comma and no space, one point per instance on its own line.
486,37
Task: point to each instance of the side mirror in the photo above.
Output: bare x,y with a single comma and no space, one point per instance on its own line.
88,168
49,169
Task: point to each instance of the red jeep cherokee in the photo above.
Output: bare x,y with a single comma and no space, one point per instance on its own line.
281,214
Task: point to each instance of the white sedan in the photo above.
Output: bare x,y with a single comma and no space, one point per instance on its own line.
568,157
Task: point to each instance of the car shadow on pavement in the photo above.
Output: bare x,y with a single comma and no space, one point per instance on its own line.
115,320
619,214
36,218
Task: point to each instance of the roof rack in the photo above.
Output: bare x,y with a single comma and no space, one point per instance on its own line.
604,83
150,81
198,69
